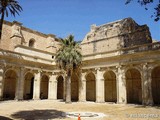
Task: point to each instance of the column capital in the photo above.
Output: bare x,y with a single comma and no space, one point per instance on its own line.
119,66
52,78
35,71
57,73
84,73
40,70
98,68
2,66
145,64
22,68
146,68
101,69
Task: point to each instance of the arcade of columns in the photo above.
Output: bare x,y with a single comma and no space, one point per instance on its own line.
119,84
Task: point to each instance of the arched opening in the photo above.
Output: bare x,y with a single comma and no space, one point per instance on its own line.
156,85
90,87
31,43
10,83
133,86
110,87
74,87
28,86
44,87
60,87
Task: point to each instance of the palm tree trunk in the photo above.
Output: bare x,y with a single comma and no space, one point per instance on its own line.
68,87
1,23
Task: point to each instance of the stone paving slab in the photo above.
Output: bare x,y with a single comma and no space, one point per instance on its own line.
53,110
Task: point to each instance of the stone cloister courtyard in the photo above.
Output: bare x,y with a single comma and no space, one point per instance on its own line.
119,76
55,109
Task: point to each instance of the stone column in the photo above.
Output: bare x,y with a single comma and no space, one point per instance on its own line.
1,83
146,86
17,86
82,88
36,89
64,87
20,85
52,93
121,86
99,86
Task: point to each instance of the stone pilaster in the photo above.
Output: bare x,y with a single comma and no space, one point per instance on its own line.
52,87
20,85
52,43
16,37
1,83
121,86
36,89
146,86
99,86
82,88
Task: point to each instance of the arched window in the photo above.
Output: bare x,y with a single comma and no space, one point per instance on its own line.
31,43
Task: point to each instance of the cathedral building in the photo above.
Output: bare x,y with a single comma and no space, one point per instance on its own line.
121,64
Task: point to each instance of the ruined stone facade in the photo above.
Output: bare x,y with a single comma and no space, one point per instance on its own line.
120,64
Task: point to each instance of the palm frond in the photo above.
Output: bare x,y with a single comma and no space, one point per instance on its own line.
69,55
11,6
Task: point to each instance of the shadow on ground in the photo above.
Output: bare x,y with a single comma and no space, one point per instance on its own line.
4,118
143,106
38,114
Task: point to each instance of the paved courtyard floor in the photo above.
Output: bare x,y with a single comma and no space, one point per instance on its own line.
53,110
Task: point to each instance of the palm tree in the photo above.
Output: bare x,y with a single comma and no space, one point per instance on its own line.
69,59
6,6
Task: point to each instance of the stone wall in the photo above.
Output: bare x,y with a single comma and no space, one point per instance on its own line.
15,34
92,84
115,35
107,37
6,33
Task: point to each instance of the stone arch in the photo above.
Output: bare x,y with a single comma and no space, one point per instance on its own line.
133,86
44,87
74,87
10,84
60,87
28,85
110,86
156,85
138,68
90,87
31,43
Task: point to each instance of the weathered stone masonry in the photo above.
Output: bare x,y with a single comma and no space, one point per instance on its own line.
121,64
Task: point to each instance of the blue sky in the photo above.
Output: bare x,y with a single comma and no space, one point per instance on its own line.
64,17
